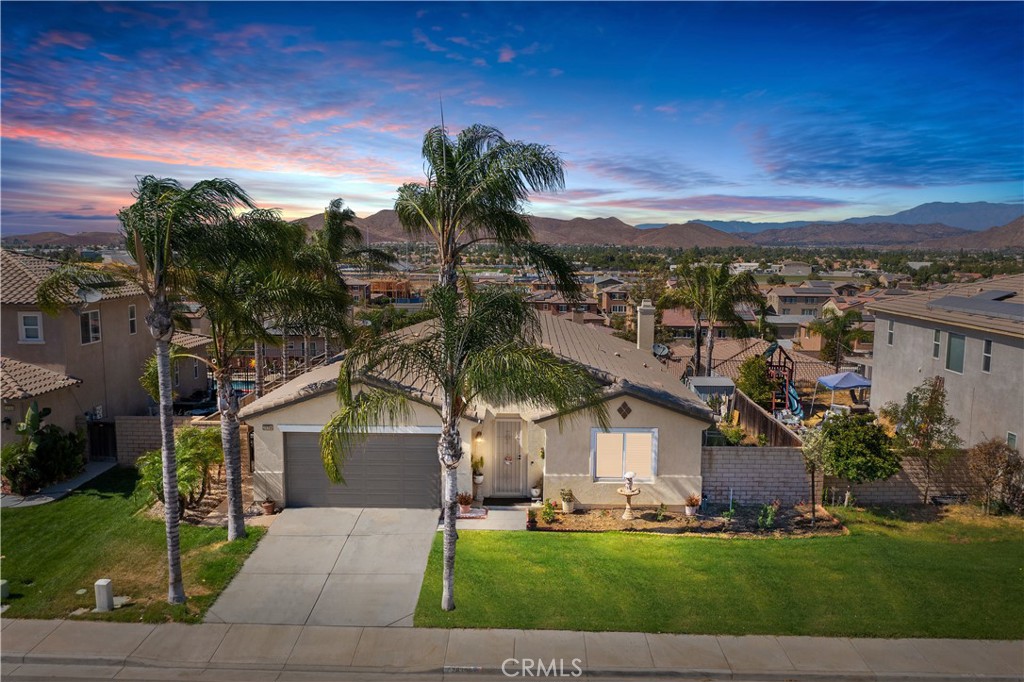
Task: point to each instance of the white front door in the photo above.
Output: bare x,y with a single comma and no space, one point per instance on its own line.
509,463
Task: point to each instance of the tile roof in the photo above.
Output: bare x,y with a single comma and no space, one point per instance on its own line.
920,306
21,274
190,340
20,380
729,354
619,364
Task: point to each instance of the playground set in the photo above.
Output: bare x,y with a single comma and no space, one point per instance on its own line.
781,368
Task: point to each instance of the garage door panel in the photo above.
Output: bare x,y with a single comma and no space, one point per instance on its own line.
387,470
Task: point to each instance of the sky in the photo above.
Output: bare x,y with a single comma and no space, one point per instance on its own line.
662,112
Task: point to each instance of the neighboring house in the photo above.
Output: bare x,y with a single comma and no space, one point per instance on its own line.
799,300
809,341
795,268
839,288
553,302
656,427
22,383
970,335
391,287
787,326
96,348
190,376
890,279
358,289
603,282
614,301
680,322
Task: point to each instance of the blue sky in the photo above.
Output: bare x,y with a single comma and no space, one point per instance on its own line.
663,112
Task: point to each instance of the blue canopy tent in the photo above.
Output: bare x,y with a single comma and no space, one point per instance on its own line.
843,380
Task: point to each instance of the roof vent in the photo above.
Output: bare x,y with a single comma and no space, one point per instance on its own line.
618,354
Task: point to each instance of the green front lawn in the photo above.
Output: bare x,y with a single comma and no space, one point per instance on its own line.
960,576
99,531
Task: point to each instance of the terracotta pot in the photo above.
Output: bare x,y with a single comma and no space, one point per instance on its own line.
268,507
464,508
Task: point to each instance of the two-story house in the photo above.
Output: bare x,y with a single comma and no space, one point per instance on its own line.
970,335
614,300
799,300
85,361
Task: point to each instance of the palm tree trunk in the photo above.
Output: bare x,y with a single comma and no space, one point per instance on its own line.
305,352
327,345
258,360
175,588
711,345
449,453
696,347
284,359
227,398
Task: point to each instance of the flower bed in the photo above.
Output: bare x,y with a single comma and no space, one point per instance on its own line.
788,521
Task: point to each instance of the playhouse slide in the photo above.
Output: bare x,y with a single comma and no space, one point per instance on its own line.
794,402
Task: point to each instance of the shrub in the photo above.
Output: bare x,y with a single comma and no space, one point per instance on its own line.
733,434
44,455
766,519
660,514
857,449
693,500
754,381
566,494
994,468
197,451
548,512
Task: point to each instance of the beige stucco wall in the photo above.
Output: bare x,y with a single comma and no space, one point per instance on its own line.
567,456
63,405
268,440
109,369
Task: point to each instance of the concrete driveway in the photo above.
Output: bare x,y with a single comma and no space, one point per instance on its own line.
360,567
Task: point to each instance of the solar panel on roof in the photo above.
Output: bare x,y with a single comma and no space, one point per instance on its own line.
979,306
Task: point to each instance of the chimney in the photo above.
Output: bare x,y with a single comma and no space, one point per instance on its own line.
645,325
577,314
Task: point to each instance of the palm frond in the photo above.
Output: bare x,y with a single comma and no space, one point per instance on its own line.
351,424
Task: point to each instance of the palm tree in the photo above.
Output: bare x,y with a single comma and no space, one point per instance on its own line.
476,188
480,347
166,230
713,293
838,331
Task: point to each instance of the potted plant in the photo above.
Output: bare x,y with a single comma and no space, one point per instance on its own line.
464,499
531,519
268,506
535,490
692,504
568,501
478,469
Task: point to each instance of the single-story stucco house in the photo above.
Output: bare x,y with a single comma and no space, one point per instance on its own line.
656,431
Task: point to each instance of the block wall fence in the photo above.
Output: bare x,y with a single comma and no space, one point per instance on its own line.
759,475
137,435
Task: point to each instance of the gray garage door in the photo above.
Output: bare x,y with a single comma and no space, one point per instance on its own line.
387,470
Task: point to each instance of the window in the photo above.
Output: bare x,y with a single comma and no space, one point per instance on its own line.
890,332
936,342
312,347
986,356
1011,439
195,368
613,453
30,327
90,322
618,308
955,353
807,311
722,333
785,311
131,319
562,308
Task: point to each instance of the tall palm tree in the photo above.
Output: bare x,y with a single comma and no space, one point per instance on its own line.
481,346
167,229
713,293
476,188
839,331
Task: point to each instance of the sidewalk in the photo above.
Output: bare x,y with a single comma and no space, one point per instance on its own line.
57,490
65,649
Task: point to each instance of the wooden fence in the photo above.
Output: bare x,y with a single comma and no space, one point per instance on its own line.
757,421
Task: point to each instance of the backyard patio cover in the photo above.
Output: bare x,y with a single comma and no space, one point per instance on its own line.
844,380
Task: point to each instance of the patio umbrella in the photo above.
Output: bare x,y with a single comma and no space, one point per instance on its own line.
841,380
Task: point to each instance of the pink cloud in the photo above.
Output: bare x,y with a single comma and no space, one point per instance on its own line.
478,61
74,39
667,109
506,55
420,38
460,40
488,102
721,203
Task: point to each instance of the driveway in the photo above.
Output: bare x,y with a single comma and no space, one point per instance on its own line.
332,566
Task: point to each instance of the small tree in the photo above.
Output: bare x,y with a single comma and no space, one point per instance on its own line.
993,467
856,448
923,429
813,452
755,382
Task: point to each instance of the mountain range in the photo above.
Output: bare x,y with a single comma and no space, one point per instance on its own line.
938,225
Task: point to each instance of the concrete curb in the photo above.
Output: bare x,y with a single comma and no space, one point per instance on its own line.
102,665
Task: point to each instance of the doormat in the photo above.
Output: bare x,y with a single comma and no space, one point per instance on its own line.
474,513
